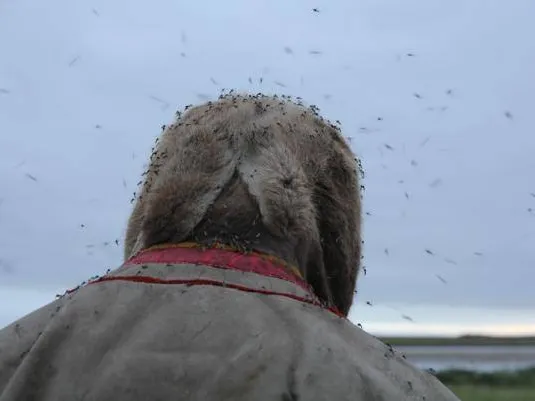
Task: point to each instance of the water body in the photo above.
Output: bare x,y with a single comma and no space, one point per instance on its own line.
482,358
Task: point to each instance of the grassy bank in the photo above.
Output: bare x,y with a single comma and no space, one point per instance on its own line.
477,386
463,340
518,378
482,393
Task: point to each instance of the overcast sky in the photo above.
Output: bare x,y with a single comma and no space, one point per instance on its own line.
436,96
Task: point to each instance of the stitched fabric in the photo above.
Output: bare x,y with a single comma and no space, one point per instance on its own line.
138,335
217,246
220,256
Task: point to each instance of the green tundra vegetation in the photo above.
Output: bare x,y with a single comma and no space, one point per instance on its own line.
479,393
478,386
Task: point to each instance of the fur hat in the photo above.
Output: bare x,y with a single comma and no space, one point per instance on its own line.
262,173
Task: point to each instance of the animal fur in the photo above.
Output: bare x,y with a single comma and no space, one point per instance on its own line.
260,173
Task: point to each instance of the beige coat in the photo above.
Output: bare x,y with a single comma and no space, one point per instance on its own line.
167,326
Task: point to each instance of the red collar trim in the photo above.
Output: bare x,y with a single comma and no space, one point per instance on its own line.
222,257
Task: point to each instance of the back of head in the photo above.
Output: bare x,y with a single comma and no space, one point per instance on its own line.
260,173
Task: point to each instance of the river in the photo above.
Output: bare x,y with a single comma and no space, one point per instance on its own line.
483,358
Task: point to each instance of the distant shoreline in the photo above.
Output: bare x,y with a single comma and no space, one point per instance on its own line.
462,340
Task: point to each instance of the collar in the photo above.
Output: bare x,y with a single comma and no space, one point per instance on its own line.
219,255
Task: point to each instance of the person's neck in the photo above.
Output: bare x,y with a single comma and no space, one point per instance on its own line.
256,239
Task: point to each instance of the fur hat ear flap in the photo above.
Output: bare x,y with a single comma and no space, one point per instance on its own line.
181,188
277,182
337,199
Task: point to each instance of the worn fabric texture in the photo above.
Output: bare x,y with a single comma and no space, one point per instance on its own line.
154,330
